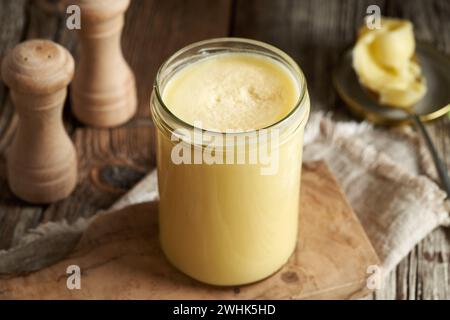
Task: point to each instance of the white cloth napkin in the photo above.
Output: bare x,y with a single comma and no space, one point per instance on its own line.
388,178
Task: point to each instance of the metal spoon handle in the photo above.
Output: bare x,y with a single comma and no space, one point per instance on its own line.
440,166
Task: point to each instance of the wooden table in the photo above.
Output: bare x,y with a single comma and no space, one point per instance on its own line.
313,32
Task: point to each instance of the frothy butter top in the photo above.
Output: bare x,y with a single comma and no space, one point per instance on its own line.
236,91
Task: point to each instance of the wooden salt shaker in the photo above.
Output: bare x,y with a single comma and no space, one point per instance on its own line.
103,91
41,162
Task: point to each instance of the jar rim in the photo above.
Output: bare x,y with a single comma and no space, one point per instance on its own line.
285,58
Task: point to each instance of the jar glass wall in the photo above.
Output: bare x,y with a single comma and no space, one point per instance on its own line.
229,222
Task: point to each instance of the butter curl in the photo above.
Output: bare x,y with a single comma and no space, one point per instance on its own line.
385,63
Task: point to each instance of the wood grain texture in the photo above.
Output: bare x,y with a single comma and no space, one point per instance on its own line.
36,173
120,257
425,273
110,161
315,33
15,216
12,23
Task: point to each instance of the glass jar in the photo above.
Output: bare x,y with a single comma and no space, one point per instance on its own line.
229,223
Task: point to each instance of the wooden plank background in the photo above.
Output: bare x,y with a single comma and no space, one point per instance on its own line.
313,32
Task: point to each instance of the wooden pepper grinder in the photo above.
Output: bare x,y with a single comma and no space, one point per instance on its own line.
41,162
103,91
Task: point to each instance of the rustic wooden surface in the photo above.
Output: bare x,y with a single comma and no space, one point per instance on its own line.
314,32
120,257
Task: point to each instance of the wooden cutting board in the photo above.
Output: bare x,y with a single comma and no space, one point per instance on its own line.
120,258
